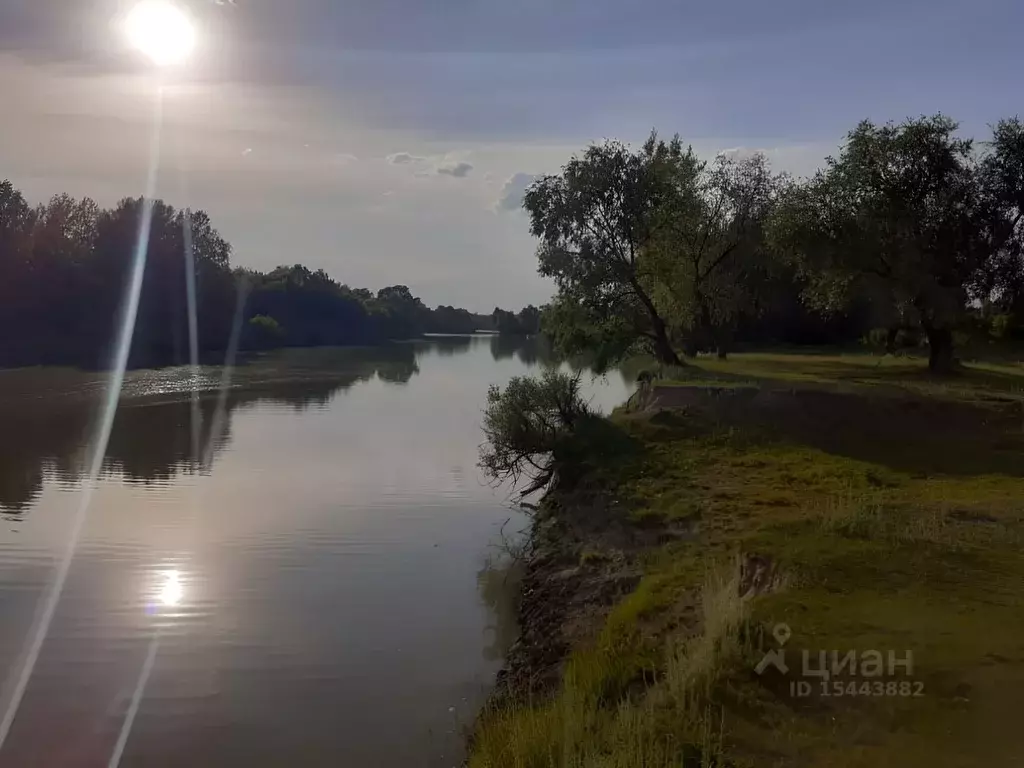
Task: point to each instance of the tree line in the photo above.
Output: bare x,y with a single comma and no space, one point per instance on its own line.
525,322
910,226
65,267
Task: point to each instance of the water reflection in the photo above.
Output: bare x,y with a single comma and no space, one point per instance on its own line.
446,346
47,425
498,583
171,590
317,587
47,415
529,350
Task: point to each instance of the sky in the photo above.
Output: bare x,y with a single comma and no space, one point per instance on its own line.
389,141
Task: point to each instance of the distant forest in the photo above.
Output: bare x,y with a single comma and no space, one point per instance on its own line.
65,267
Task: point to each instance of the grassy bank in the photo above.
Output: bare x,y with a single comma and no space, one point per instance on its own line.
860,502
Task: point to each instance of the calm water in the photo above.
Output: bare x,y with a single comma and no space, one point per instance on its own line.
323,591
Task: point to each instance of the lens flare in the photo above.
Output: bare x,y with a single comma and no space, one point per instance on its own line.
162,31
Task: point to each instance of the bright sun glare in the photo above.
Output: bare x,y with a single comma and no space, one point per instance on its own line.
162,31
171,590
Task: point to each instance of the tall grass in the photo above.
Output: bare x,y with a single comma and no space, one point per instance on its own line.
866,516
604,717
693,663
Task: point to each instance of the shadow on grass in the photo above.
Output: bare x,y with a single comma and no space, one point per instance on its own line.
599,449
915,436
903,372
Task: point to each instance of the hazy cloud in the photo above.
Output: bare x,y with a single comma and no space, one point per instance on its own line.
404,158
458,170
511,196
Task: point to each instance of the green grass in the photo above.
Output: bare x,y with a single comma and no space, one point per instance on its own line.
629,699
977,379
892,503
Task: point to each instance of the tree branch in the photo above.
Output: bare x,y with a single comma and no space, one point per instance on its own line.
721,257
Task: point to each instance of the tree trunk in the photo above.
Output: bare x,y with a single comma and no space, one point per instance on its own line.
890,341
723,341
940,350
662,348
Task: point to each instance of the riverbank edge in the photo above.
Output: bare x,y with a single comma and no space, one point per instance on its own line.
561,596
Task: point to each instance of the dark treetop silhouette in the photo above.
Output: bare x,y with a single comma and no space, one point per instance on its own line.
64,266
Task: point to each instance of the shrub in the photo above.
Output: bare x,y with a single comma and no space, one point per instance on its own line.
263,332
525,425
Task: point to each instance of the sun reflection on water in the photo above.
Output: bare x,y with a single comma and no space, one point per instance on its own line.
171,590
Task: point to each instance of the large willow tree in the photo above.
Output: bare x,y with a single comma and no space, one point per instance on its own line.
594,221
653,250
905,216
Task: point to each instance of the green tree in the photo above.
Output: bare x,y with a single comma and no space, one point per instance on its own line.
1001,283
576,330
446,319
708,261
899,218
403,315
529,319
64,268
594,221
526,426
264,332
506,322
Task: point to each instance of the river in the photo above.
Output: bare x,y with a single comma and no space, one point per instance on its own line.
305,570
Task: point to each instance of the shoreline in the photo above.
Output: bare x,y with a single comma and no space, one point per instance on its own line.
562,595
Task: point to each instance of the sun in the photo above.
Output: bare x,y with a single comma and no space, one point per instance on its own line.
162,31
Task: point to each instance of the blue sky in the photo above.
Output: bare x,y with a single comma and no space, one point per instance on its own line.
380,139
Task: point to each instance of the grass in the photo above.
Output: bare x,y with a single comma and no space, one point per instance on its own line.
595,719
893,505
979,379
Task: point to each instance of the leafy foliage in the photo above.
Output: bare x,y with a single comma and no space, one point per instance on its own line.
1002,169
264,331
593,221
65,264
527,424
901,218
708,262
654,248
909,227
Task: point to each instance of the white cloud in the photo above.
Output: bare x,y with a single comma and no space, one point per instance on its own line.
798,159
404,158
344,158
737,153
442,165
458,170
511,196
